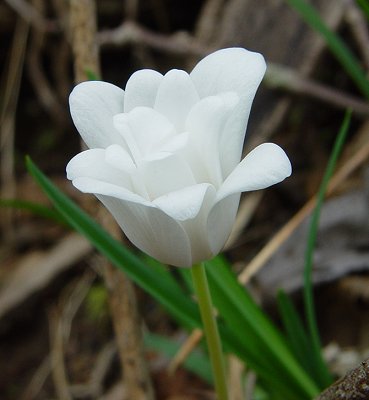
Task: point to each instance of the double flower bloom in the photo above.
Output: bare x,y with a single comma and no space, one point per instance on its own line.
164,155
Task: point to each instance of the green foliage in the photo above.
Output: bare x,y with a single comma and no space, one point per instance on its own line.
312,236
305,343
244,328
34,208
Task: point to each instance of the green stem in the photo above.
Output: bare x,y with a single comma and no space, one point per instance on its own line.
210,329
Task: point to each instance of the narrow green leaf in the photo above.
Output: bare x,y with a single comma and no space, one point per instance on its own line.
258,333
335,44
170,297
154,280
312,236
34,208
298,339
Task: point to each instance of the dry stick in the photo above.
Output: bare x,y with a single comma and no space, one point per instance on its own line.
186,348
38,379
277,76
8,119
58,371
360,156
37,76
31,15
83,35
236,369
60,321
358,24
126,320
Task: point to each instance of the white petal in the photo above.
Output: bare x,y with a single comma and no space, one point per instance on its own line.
97,187
184,203
205,124
220,221
141,89
196,228
92,106
91,164
119,158
264,166
146,226
143,128
174,144
166,174
225,70
176,96
152,231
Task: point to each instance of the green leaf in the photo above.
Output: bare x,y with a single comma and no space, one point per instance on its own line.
335,44
298,339
171,297
267,351
281,376
326,378
155,279
34,208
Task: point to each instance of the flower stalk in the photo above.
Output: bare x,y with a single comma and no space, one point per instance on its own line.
202,292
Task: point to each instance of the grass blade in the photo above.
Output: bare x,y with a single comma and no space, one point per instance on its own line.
308,285
298,338
171,297
34,208
335,44
266,345
152,276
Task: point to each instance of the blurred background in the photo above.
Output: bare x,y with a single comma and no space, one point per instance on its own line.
56,315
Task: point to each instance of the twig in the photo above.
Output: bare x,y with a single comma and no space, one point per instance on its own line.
37,76
129,33
353,386
127,325
94,387
277,76
13,78
38,379
359,29
57,355
189,344
208,21
280,77
131,9
60,320
236,370
83,32
31,15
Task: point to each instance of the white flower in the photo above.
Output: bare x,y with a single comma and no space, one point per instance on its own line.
165,153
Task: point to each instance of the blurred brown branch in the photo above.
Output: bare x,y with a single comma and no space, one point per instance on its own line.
32,15
277,76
